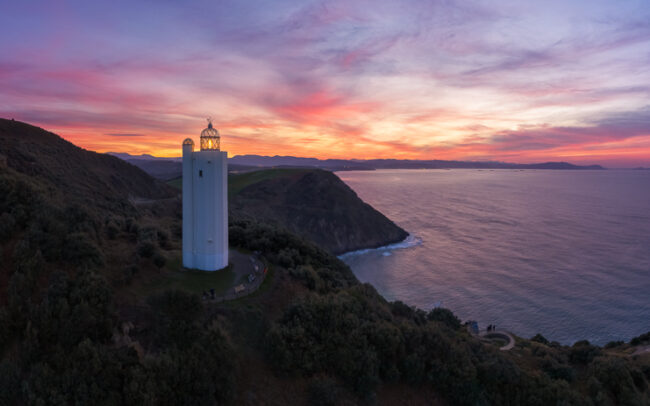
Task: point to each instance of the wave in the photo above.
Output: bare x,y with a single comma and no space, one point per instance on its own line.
408,242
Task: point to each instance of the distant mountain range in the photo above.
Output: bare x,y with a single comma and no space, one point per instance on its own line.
169,168
371,164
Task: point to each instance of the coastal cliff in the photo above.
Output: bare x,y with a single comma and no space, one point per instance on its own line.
315,204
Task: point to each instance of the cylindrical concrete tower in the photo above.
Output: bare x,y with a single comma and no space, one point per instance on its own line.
205,204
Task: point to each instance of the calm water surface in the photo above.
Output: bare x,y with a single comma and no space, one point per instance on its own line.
562,253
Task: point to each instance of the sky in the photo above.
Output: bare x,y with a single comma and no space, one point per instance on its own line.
501,80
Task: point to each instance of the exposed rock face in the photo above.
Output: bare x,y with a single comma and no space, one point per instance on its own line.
319,206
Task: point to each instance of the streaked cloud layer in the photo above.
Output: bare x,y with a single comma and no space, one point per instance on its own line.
497,80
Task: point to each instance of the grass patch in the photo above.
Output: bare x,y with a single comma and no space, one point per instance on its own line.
176,183
498,342
192,281
236,182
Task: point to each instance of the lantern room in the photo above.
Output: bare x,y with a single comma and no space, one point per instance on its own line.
210,139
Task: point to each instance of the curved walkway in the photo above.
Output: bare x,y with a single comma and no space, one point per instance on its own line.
499,334
250,272
641,349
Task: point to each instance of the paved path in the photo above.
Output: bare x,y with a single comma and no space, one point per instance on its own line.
243,265
642,349
499,334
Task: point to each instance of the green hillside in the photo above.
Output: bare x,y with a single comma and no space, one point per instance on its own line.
71,173
82,325
313,203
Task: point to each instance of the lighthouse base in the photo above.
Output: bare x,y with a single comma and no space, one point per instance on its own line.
205,262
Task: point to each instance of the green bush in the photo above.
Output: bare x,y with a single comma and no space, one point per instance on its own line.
146,249
6,331
159,259
7,226
323,391
175,317
79,250
203,373
444,316
347,334
582,352
164,239
74,310
112,231
614,344
615,375
643,338
10,383
540,339
556,370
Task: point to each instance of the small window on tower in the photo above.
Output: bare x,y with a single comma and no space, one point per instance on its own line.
200,173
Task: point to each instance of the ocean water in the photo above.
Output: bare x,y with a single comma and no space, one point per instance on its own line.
562,253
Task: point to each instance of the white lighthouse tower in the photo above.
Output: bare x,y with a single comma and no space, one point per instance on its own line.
205,203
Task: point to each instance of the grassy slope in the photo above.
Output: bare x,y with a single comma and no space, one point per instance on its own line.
83,176
237,182
312,203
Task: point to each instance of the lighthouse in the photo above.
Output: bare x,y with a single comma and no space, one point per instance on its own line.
205,203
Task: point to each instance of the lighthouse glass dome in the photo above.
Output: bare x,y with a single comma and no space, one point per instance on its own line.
210,139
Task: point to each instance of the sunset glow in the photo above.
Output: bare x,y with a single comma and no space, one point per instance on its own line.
508,81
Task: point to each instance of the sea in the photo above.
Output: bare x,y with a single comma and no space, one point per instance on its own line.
557,252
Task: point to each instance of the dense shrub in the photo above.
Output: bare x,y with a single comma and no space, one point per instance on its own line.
112,230
323,391
616,377
444,316
159,259
7,225
79,250
74,310
164,239
643,338
146,249
67,357
346,334
614,344
540,339
557,370
10,383
323,271
582,352
128,273
200,374
176,315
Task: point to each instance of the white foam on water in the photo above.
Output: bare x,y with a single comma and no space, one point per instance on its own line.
409,242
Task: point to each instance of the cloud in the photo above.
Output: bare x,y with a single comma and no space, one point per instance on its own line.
443,78
613,132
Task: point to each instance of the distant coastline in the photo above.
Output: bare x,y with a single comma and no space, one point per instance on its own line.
170,168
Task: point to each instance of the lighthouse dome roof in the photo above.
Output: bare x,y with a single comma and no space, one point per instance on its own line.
210,131
210,139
